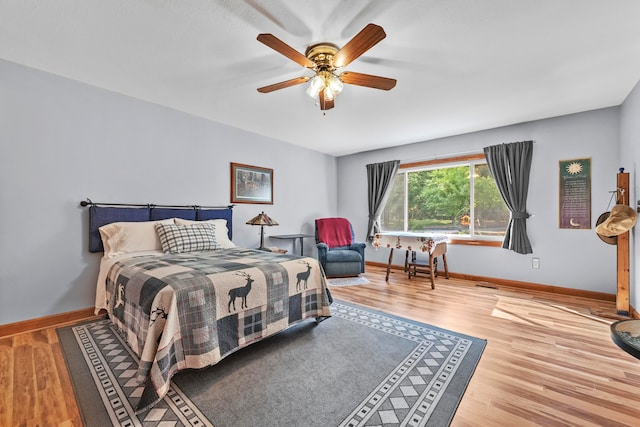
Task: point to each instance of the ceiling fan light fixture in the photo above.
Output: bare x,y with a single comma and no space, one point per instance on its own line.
315,86
335,84
326,82
324,59
328,94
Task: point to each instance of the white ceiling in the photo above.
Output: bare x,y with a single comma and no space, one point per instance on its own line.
461,65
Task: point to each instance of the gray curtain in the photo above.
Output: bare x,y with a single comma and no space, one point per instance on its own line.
510,165
379,176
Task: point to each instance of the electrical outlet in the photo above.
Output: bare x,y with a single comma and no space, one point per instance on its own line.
535,262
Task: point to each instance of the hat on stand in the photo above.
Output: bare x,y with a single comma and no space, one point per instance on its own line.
610,240
621,220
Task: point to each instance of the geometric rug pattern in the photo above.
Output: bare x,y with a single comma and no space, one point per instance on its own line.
408,394
114,367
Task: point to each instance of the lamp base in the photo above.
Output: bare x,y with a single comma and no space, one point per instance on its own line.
262,248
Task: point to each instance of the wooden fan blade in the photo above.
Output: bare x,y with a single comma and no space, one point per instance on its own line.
281,47
368,80
368,37
282,85
325,104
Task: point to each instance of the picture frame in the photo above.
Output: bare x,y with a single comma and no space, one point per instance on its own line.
574,194
251,184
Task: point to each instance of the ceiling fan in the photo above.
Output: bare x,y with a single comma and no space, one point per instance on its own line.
324,59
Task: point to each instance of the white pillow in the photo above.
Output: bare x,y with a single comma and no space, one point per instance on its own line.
222,232
126,237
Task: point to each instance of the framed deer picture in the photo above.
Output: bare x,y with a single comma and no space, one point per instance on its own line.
251,184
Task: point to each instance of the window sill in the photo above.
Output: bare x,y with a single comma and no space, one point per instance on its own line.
471,242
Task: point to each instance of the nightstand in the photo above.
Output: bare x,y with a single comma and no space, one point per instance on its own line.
293,237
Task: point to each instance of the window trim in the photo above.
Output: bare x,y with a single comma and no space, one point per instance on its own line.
487,241
465,158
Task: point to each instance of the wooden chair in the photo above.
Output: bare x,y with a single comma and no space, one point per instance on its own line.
413,267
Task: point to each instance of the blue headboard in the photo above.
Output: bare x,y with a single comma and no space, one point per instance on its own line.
103,215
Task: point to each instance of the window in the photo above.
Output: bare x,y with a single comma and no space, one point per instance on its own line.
457,197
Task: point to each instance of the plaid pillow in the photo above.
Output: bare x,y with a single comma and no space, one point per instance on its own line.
176,239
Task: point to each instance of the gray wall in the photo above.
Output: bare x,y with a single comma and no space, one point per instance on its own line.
568,258
62,141
630,159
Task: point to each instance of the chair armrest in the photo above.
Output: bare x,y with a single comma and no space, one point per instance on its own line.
359,247
322,253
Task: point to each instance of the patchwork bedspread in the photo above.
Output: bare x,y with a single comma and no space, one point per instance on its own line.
191,310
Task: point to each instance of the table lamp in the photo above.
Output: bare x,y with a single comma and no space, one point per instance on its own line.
262,219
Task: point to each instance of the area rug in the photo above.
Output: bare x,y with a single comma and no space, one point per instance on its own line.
360,367
348,281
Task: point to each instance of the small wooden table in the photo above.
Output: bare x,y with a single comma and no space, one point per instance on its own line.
293,237
626,335
433,244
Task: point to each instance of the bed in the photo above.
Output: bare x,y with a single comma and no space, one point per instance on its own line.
184,296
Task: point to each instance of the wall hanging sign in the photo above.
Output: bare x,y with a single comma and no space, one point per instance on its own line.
575,193
251,184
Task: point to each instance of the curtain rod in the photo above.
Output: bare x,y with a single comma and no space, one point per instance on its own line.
89,202
443,156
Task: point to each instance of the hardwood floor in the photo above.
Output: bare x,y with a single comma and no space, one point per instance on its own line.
548,362
35,389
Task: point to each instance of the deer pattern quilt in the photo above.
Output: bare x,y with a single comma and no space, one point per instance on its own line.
191,310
